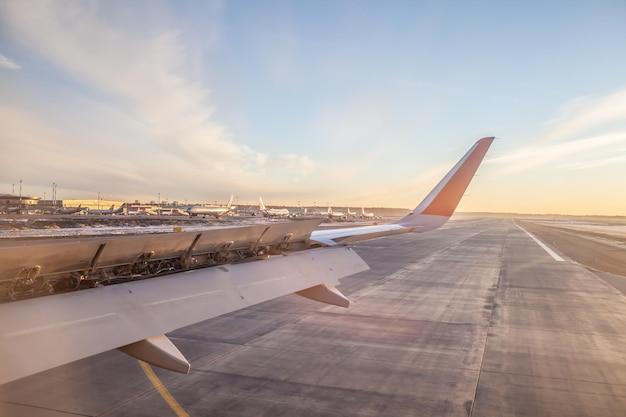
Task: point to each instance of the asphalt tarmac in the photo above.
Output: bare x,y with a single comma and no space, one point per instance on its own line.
604,251
474,319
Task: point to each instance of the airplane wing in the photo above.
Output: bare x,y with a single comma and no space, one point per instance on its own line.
431,213
144,286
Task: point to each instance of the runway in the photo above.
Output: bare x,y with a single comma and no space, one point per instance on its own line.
600,247
474,319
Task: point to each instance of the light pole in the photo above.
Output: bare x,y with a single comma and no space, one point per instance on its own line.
98,200
54,193
13,188
20,206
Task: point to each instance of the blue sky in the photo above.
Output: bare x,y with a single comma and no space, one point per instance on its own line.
353,103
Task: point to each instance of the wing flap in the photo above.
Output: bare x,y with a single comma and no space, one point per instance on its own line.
158,351
326,294
41,333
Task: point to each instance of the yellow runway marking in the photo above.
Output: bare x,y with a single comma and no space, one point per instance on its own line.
163,391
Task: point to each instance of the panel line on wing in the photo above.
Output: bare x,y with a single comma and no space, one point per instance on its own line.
56,325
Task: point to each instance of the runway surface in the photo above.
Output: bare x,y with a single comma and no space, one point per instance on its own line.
599,247
475,319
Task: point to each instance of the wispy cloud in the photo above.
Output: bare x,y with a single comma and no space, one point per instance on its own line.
147,74
531,156
583,136
595,163
7,63
588,116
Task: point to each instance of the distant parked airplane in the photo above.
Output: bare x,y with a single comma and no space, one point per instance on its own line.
273,212
110,210
334,214
366,215
69,210
215,211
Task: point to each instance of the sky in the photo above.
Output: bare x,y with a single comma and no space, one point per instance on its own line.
343,102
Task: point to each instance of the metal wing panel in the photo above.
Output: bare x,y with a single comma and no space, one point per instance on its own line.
125,249
241,237
298,230
53,258
57,255
41,333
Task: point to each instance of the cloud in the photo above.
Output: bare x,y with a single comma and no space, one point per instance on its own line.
292,165
74,165
583,136
594,163
360,120
535,155
7,63
588,116
145,72
141,72
300,164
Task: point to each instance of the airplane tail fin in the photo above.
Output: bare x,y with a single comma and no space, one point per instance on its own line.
444,198
230,201
261,205
363,211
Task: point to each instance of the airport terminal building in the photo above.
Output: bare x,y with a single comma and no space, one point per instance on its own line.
11,200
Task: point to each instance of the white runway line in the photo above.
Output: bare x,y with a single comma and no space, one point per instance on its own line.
552,253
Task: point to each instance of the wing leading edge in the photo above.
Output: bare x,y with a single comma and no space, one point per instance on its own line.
430,214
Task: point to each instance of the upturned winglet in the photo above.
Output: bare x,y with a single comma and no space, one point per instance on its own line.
445,197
